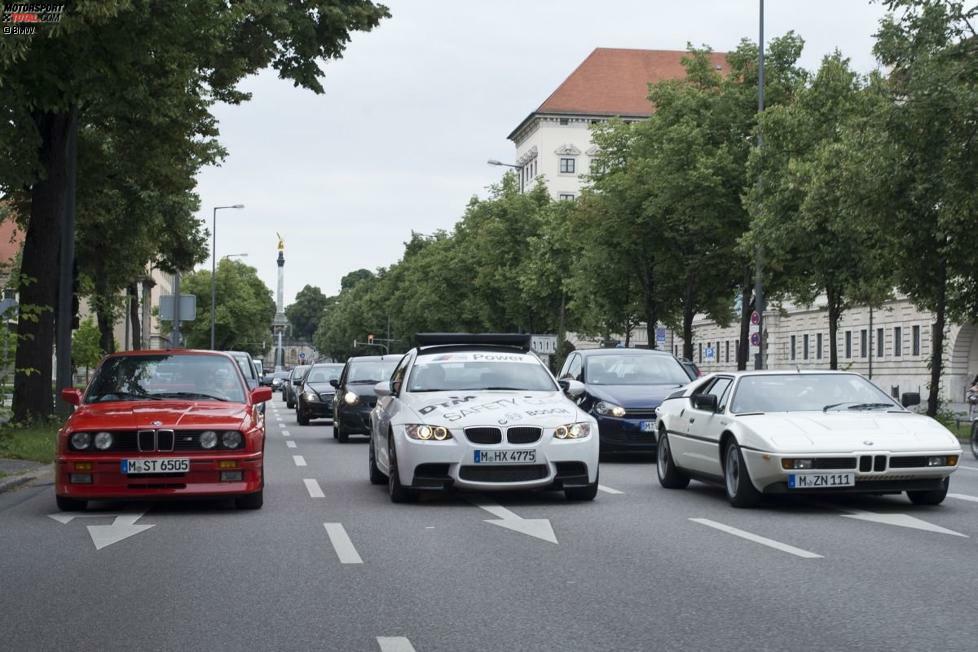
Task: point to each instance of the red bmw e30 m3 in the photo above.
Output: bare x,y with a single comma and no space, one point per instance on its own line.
157,424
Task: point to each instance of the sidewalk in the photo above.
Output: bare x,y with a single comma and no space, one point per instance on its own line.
14,473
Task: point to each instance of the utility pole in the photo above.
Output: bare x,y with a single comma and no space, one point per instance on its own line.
759,362
176,337
66,261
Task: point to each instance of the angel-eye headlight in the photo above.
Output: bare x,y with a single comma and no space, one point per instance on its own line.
351,398
578,430
424,432
605,408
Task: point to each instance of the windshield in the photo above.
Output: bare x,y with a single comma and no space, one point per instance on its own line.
634,369
479,371
299,372
809,393
149,377
324,374
281,375
244,363
370,371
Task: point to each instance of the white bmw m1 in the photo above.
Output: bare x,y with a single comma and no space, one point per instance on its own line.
770,432
480,412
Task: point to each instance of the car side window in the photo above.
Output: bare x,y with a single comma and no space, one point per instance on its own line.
397,378
576,369
703,387
720,388
563,370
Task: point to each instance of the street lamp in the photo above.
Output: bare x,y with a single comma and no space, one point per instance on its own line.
519,169
214,266
227,256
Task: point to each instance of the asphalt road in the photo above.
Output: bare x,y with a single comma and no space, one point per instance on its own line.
330,564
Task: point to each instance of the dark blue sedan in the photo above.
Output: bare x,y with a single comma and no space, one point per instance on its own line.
624,386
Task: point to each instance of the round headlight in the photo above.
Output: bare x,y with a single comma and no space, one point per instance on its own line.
425,432
103,440
576,430
602,408
560,432
231,439
350,398
208,439
81,440
441,433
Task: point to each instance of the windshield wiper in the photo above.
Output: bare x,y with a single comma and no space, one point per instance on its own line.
510,389
123,396
857,406
191,394
363,382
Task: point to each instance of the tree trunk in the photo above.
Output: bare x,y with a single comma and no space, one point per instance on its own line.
746,308
646,278
688,313
134,315
937,342
835,312
38,287
104,313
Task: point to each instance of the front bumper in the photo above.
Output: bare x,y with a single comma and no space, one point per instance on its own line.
769,477
626,434
203,479
355,419
322,409
450,463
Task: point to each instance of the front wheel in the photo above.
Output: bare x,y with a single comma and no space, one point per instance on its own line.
974,439
397,492
250,501
740,490
300,417
376,477
670,477
933,497
66,504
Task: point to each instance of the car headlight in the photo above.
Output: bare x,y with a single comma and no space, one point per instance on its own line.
424,432
578,430
604,408
351,398
103,440
81,440
208,439
231,439
310,396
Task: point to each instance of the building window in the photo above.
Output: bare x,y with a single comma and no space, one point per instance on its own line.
701,352
792,347
564,121
566,196
897,341
726,355
818,346
568,165
915,342
879,342
863,350
804,347
848,344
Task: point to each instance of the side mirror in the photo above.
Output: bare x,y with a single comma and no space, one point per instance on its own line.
573,388
73,396
335,382
261,394
705,402
383,388
909,399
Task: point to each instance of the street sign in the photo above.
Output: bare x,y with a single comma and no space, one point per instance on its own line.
755,339
709,354
543,344
188,307
755,318
660,336
302,355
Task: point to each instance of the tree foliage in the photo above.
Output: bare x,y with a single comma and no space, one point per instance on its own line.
306,311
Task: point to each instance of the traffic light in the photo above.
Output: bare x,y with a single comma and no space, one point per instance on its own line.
370,338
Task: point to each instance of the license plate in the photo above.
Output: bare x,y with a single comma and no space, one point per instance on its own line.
821,480
156,465
521,456
647,426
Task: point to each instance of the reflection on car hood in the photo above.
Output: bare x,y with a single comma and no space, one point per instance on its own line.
321,388
848,431
365,389
476,408
632,396
168,414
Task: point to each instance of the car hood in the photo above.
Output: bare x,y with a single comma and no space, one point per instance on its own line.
496,408
899,432
159,414
361,389
321,388
632,396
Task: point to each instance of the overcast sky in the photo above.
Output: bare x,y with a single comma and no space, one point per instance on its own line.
399,141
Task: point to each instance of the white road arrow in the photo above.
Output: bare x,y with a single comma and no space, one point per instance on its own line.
902,520
535,527
123,526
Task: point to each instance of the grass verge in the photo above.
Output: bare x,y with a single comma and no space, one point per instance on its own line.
28,442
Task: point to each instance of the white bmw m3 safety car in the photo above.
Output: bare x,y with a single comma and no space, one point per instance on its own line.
480,412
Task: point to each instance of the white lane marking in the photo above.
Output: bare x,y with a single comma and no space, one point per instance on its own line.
299,460
609,490
971,499
764,541
290,444
315,491
534,527
123,526
342,544
970,468
901,520
285,433
394,644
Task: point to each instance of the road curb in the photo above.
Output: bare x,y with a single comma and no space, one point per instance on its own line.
12,482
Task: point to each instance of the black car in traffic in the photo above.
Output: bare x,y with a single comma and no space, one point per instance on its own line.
289,390
355,396
315,395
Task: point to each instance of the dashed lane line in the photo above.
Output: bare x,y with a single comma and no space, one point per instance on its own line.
290,443
394,644
764,541
609,490
299,460
312,486
970,468
285,433
344,548
970,499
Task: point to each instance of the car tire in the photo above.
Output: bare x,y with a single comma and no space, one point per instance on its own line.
302,419
741,492
398,493
376,477
250,501
338,432
670,477
290,405
588,492
933,497
66,504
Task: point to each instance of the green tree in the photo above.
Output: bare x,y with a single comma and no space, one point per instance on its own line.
306,311
86,346
106,62
243,318
929,162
